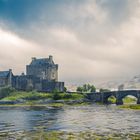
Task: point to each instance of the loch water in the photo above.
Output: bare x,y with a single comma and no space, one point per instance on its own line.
97,118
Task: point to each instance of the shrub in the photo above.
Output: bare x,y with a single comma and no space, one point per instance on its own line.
65,89
56,96
104,90
67,96
79,89
6,91
86,88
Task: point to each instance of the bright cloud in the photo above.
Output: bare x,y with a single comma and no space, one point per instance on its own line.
15,51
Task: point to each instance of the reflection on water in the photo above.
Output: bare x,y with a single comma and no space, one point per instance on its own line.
93,117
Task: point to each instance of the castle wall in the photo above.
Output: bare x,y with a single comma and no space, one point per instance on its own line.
7,80
52,74
20,83
43,72
52,85
41,75
27,83
3,82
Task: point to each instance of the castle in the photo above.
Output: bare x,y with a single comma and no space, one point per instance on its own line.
41,75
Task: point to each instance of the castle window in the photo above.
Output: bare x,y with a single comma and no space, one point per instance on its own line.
53,75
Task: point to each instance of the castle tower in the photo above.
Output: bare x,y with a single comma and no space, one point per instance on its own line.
43,68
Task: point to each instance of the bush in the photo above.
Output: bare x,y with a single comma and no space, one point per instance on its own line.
79,89
65,89
56,96
104,90
67,96
6,91
86,88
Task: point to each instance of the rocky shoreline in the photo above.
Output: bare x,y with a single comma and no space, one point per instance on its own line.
62,135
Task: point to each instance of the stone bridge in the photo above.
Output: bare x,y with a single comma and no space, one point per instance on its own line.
119,95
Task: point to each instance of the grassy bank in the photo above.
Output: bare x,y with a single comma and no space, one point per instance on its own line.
130,106
38,99
127,103
10,94
28,96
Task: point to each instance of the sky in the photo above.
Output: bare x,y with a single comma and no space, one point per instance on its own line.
91,40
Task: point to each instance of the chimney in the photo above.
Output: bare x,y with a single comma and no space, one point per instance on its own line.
33,58
51,58
22,74
10,70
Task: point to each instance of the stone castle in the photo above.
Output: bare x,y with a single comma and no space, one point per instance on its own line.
41,75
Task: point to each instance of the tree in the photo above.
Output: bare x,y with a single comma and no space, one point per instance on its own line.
65,89
104,90
92,88
86,88
79,89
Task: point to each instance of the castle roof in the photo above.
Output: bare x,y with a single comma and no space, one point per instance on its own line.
42,61
4,74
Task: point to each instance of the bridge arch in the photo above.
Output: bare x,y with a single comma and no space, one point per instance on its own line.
130,99
112,99
106,97
122,94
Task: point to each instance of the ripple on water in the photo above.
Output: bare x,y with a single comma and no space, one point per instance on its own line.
96,118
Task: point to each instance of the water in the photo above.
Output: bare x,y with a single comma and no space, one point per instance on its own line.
97,118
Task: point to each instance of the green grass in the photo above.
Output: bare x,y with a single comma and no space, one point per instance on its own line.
129,100
37,99
126,100
38,105
73,96
112,99
33,96
135,106
27,96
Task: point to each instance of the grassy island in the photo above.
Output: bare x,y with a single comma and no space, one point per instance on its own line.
11,97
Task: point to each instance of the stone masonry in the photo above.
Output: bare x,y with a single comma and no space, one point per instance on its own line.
41,75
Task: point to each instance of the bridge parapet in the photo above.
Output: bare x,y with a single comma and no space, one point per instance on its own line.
95,97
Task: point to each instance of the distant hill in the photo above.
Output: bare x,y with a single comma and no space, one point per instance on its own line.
132,83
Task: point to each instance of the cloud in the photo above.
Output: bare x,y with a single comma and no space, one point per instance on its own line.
14,51
91,41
